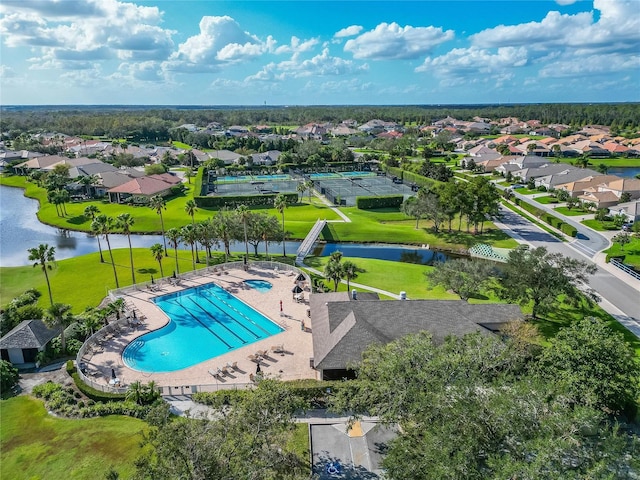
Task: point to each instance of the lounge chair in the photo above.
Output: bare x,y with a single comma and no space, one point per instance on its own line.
261,353
277,348
214,374
225,371
254,358
252,378
232,366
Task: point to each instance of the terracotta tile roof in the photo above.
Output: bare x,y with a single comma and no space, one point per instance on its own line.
149,185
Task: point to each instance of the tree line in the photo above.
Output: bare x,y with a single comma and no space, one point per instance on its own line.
155,124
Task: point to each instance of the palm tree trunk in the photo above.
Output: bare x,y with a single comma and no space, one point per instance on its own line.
100,249
164,240
193,258
284,249
133,272
115,274
193,222
175,249
46,276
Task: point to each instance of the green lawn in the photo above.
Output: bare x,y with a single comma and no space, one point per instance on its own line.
95,278
600,226
571,213
35,445
546,199
609,162
630,252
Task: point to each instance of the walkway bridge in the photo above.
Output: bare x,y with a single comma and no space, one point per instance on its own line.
311,238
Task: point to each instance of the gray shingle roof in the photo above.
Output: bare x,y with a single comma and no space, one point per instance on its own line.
343,327
29,334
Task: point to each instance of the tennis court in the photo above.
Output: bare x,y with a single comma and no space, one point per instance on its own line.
344,191
256,187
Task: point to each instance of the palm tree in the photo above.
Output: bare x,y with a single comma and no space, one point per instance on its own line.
188,234
158,204
309,186
124,222
174,236
157,250
333,270
350,271
280,203
301,188
43,255
104,226
135,392
59,315
244,213
91,212
190,207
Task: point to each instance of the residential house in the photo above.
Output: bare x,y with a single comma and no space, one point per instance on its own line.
23,343
111,179
588,147
517,163
344,324
533,147
266,158
227,156
630,209
622,185
579,187
569,174
147,186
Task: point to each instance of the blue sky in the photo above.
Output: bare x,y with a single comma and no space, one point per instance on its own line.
318,52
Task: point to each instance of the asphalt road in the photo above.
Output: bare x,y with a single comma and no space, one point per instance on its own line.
588,241
619,298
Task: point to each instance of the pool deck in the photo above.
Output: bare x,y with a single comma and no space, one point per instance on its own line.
292,364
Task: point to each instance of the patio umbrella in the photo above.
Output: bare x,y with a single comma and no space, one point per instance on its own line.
113,373
297,289
300,278
258,368
280,305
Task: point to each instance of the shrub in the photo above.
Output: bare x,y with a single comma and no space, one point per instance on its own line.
70,367
569,230
94,394
8,375
46,390
383,201
233,201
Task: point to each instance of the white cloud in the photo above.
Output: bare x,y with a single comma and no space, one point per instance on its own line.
618,28
348,32
566,2
297,46
89,30
472,65
221,40
7,72
591,65
391,41
141,72
320,65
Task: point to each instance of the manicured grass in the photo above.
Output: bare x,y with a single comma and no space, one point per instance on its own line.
571,213
630,252
182,146
299,218
600,226
546,200
526,191
36,445
83,281
299,443
392,226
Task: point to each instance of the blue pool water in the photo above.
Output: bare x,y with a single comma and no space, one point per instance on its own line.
260,285
324,175
206,321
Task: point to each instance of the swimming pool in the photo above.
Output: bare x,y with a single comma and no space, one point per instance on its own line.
205,322
260,285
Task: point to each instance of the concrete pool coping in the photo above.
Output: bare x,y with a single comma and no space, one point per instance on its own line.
292,363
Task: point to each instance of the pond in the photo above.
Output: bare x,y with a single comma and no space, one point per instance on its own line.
625,172
20,229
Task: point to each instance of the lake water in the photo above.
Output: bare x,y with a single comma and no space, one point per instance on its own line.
20,229
624,172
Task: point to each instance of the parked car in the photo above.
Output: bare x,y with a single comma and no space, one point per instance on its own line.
517,185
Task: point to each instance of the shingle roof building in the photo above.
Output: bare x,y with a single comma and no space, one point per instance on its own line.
343,327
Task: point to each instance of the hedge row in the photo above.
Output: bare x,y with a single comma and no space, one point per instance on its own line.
548,218
412,177
90,392
383,201
312,392
232,201
197,189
